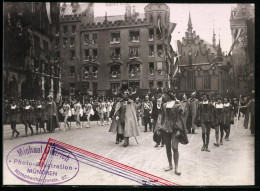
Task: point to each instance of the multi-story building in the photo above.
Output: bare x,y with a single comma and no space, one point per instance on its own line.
242,24
106,52
203,67
30,68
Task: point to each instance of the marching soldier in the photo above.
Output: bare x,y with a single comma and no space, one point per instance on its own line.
228,120
205,114
28,117
14,118
39,116
147,108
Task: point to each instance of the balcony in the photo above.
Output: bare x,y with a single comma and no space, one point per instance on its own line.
94,75
150,38
65,45
90,58
86,75
151,72
160,53
72,57
115,75
114,40
65,33
72,45
57,33
134,39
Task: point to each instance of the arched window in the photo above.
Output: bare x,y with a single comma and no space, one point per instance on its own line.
191,81
206,81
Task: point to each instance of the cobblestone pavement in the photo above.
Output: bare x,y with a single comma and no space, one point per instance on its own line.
230,164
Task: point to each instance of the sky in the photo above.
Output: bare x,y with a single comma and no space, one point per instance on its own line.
203,16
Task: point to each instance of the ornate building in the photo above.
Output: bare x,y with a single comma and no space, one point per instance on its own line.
242,24
203,67
102,53
31,70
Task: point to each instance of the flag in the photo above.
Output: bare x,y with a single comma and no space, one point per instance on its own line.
238,34
175,68
171,28
48,9
90,6
160,26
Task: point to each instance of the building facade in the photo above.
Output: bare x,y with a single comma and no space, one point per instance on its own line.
31,70
242,25
202,66
106,52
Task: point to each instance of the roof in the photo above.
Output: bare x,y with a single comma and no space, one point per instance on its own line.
115,18
79,8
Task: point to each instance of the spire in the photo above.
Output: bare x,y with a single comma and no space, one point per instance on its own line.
189,23
219,54
214,38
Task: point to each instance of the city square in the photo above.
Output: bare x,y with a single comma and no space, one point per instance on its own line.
137,90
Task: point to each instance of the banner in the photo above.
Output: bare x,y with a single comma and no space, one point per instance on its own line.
48,9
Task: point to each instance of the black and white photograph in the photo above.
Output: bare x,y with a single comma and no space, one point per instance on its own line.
128,94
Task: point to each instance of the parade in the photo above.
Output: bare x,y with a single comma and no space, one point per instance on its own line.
140,87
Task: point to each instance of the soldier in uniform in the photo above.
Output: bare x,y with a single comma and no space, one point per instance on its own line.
218,118
228,119
14,118
147,108
192,113
28,119
174,129
126,107
52,114
205,115
39,116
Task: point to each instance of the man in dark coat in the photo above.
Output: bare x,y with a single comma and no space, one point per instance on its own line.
39,116
52,115
156,115
193,104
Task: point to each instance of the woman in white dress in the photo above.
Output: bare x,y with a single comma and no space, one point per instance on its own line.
66,112
88,110
78,112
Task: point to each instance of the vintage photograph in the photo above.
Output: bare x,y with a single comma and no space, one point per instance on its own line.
128,94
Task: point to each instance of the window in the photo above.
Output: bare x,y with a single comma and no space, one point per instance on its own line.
158,17
151,68
72,71
72,88
65,30
151,18
71,42
115,53
134,52
94,38
134,36
151,34
86,39
57,30
73,30
151,84
65,42
206,81
86,72
72,54
86,52
94,85
95,53
134,70
115,37
159,67
151,50
45,45
58,54
190,80
160,50
159,84
159,34
134,85
115,87
85,86
115,71
57,43
94,72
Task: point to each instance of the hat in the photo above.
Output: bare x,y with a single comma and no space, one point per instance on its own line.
159,90
194,93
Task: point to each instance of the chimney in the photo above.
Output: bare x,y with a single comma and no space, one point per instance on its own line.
134,14
128,11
